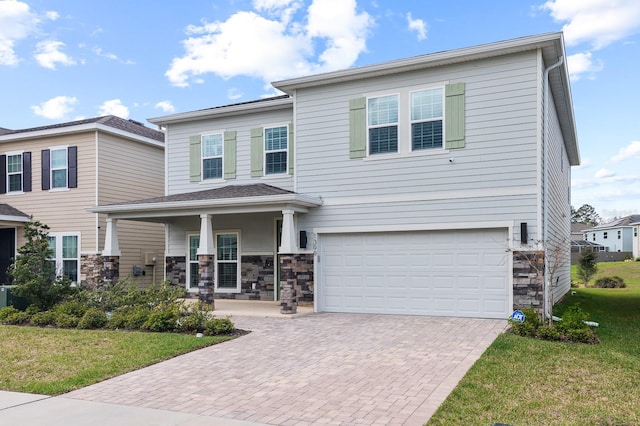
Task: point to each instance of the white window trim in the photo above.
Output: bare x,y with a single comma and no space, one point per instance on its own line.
8,154
439,150
238,288
265,152
202,157
59,259
404,121
188,261
57,148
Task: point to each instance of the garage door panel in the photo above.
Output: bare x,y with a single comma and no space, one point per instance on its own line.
461,273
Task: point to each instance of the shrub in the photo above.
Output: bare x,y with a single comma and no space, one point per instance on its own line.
161,319
215,326
6,311
610,282
15,318
587,265
71,307
548,332
529,326
43,318
573,318
192,318
92,319
129,317
581,335
64,320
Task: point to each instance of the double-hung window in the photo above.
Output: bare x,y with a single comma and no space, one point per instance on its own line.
194,275
382,124
227,265
426,119
59,168
605,235
66,255
276,145
212,154
14,173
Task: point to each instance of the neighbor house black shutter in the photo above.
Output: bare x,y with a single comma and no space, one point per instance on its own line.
72,163
3,174
46,171
26,171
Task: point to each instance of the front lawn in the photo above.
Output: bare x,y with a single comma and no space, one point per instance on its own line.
53,361
522,381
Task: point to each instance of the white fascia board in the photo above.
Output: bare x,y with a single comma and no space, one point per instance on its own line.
7,218
294,201
88,127
224,111
414,227
423,61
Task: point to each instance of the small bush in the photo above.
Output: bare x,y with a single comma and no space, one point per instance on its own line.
129,317
43,319
547,332
216,326
162,319
92,319
581,335
610,282
6,311
192,318
74,308
530,324
16,318
64,320
573,318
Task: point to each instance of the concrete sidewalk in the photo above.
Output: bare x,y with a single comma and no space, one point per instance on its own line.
41,410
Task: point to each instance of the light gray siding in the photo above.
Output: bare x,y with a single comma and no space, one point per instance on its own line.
493,178
177,153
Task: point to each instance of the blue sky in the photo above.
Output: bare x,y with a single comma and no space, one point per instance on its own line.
62,60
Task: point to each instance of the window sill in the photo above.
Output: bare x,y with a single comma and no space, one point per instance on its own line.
15,193
276,176
59,189
227,290
214,181
418,153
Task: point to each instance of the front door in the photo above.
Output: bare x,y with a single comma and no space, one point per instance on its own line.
7,252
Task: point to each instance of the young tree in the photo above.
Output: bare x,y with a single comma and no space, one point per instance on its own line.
585,214
587,265
33,271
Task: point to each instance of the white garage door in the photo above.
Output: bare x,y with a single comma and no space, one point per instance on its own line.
442,273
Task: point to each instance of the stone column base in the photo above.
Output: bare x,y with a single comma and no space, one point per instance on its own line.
205,279
111,268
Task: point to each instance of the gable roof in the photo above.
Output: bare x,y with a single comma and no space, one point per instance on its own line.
623,221
107,122
4,131
579,227
9,213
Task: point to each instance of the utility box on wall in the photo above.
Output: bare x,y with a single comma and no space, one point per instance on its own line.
7,298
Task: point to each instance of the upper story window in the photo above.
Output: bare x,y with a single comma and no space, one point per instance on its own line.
619,234
426,119
59,168
605,235
275,149
212,155
382,122
593,237
14,173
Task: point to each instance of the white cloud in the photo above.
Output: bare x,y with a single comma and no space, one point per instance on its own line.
48,54
584,163
165,106
630,151
275,46
55,108
417,25
98,51
17,22
234,93
598,22
580,64
604,173
114,107
52,15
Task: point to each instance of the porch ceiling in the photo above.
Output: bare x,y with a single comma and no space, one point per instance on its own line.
231,199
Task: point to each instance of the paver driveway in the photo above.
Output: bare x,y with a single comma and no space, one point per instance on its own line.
316,369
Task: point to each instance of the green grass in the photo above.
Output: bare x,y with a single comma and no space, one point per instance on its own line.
54,361
629,271
522,381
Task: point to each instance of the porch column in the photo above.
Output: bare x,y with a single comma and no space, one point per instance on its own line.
206,258
287,250
111,253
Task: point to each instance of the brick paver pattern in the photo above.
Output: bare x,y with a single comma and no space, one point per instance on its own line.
334,369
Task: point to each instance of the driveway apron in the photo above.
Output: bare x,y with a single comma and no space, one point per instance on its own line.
338,369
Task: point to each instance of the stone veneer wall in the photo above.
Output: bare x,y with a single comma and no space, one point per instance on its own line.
528,280
91,270
302,267
177,270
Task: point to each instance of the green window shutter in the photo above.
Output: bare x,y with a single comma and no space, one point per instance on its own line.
357,127
257,150
229,166
195,159
454,115
291,149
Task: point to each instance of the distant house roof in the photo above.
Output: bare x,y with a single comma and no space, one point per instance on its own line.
130,126
579,227
624,221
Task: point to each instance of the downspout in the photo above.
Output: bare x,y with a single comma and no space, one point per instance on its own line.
545,232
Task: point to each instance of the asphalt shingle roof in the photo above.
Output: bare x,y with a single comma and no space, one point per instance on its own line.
230,191
7,210
130,126
623,221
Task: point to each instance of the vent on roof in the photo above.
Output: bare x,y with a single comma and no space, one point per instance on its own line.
136,122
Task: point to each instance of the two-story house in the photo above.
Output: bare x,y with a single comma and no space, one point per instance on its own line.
53,173
432,185
617,235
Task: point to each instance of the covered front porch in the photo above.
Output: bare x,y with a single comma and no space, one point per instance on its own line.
236,242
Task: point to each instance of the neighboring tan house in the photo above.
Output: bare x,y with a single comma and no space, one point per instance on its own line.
422,186
617,235
53,173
